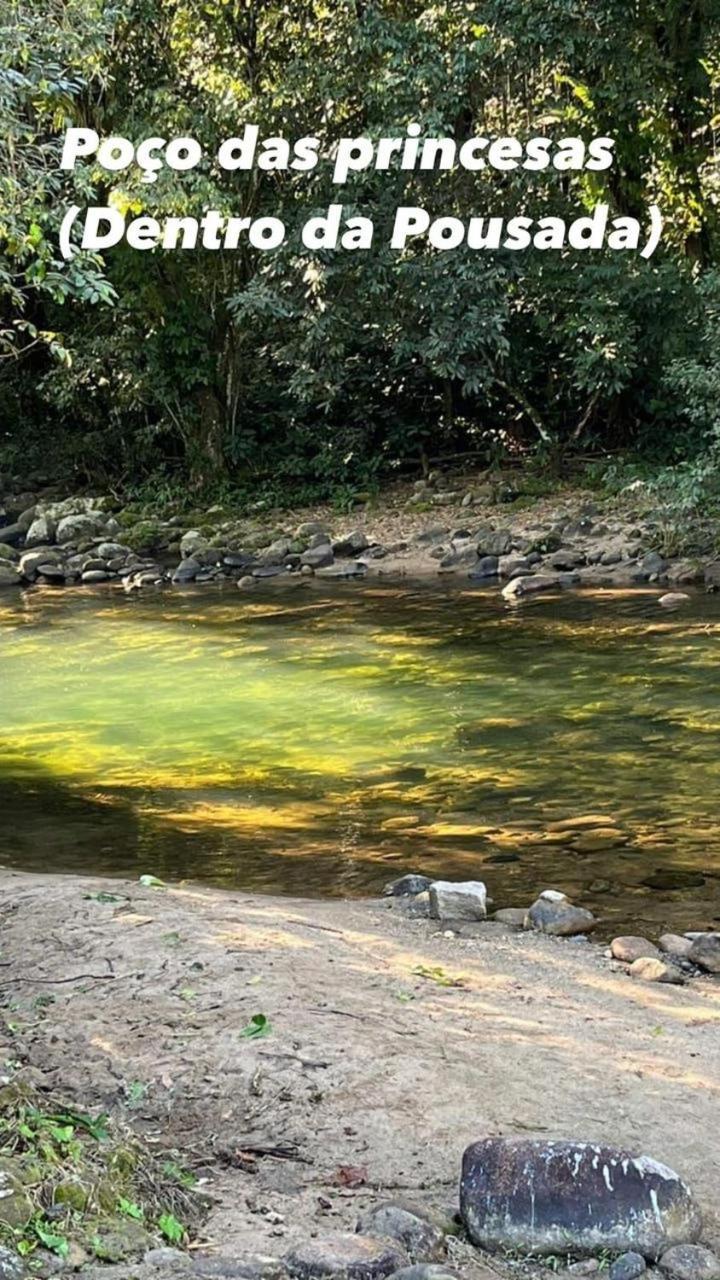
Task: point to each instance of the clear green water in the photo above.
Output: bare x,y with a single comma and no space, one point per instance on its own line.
320,742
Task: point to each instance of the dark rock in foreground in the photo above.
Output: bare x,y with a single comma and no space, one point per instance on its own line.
422,1239
353,1257
572,1197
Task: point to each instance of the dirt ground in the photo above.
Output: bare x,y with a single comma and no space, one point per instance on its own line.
375,1071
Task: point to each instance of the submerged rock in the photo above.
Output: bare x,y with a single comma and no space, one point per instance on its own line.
464,900
531,585
576,1197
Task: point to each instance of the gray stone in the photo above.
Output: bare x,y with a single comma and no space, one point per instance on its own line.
253,1266
673,599
461,900
348,1257
529,585
91,576
9,574
187,570
165,1257
348,569
486,567
711,575
629,948
514,916
111,550
652,564
407,886
690,1262
497,543
13,534
11,1267
576,1197
629,1266
40,533
673,944
318,557
193,540
422,1239
705,952
650,969
308,528
75,528
351,544
560,919
247,582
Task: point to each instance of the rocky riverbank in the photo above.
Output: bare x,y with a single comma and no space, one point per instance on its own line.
430,529
318,1069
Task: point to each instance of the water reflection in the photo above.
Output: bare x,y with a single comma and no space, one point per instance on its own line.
314,741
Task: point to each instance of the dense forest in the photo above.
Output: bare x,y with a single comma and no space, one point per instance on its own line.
322,368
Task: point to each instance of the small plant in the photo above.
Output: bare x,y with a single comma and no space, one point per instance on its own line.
256,1027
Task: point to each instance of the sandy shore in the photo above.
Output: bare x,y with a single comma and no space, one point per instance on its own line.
390,1046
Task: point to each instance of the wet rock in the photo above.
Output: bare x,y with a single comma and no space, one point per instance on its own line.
512,566
690,1262
652,564
647,969
497,543
347,1257
629,1266
705,952
187,570
9,574
560,1197
673,945
464,900
191,542
54,573
630,948
90,576
484,567
670,878
318,557
531,585
13,534
673,599
560,919
351,544
597,841
348,569
407,886
422,1239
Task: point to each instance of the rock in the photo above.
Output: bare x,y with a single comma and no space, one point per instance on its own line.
673,945
349,569
652,564
253,1266
629,1266
422,1239
247,582
8,553
630,948
351,544
109,550
690,1262
648,969
572,1197
187,570
120,1241
193,540
673,599
318,557
512,565
16,1207
13,534
427,1271
514,916
165,1257
670,878
41,532
585,1267
346,1257
559,919
11,1267
464,900
75,528
54,573
497,543
705,952
407,886
711,575
9,574
530,585
567,560
90,576
308,528
484,567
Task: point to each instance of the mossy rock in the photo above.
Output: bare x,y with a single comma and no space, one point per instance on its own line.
120,1240
16,1207
548,543
146,536
8,553
72,1194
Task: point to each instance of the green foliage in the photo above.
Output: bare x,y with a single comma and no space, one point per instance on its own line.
323,372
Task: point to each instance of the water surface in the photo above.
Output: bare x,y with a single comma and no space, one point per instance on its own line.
322,740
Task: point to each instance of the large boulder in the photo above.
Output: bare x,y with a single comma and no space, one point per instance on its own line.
77,527
41,532
572,1197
